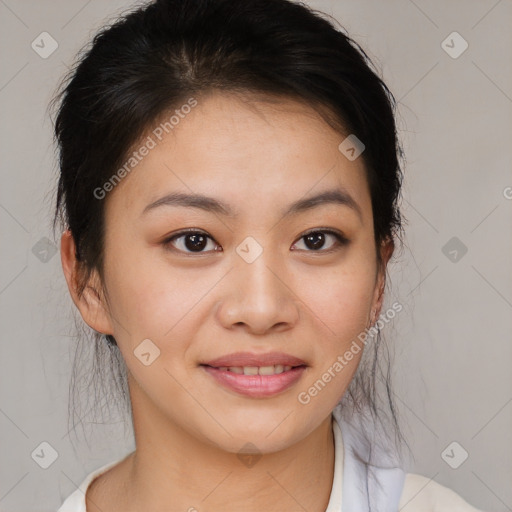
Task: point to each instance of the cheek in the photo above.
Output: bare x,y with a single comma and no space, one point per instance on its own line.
340,300
146,299
152,305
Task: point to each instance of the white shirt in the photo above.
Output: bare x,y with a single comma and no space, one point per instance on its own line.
419,494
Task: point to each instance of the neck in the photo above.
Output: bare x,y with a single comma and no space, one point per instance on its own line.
171,466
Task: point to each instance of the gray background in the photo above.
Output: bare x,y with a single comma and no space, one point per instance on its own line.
453,338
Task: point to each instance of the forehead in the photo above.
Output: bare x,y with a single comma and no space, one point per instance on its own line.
237,148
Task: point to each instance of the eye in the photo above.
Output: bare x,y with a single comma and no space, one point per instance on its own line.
195,241
316,240
191,241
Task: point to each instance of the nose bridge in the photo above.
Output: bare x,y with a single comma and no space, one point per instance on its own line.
253,261
259,277
258,296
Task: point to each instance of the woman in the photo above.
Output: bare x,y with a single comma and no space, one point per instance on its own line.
229,185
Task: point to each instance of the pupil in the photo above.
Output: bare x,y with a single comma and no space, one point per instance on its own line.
198,242
315,240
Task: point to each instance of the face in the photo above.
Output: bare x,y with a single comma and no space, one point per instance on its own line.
220,266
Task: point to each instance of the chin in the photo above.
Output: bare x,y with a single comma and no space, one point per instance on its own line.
264,433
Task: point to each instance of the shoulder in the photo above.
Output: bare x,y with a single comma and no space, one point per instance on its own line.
422,494
76,501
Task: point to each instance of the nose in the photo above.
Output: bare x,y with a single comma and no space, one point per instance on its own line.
258,299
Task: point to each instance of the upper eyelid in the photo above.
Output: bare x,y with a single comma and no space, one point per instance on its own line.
310,231
341,239
185,232
330,231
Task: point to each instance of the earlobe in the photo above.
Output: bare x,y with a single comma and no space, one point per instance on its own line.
386,251
89,302
379,296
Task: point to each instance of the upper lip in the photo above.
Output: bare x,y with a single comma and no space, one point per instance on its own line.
251,359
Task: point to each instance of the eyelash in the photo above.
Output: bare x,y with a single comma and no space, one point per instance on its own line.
341,240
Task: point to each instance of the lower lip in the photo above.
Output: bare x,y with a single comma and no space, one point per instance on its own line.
256,386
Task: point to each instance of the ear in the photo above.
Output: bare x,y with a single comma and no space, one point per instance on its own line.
90,304
386,251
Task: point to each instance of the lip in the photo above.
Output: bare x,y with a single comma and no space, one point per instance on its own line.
256,386
252,359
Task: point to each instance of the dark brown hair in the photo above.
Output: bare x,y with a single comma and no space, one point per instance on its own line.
151,60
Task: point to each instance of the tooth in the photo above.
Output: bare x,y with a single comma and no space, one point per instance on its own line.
266,370
223,368
287,368
236,369
250,370
278,368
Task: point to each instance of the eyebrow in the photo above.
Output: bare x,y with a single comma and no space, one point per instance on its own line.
210,204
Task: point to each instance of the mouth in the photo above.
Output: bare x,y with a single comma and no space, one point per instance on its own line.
256,376
253,360
255,370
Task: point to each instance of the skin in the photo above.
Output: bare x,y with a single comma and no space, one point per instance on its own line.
257,157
